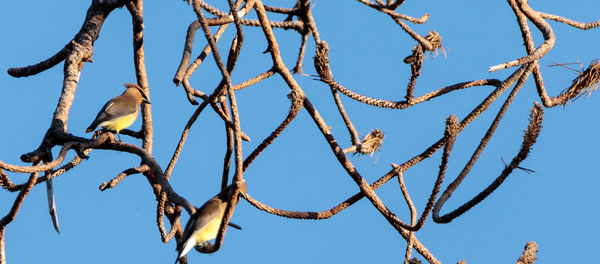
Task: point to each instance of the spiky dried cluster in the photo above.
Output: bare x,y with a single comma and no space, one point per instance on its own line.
371,143
321,62
435,39
585,83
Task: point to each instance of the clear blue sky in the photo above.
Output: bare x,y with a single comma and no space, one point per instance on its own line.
554,206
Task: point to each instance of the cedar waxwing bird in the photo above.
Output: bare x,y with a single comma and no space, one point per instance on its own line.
121,111
204,224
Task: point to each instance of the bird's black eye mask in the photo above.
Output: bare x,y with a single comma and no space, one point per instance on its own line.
144,97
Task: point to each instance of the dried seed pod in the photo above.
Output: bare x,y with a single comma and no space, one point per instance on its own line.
586,83
371,142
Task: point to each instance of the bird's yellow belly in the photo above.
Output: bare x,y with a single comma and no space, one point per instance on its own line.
120,123
209,232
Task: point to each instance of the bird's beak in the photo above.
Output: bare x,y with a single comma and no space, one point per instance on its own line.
145,99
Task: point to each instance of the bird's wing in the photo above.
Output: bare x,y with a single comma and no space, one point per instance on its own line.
114,109
211,209
100,117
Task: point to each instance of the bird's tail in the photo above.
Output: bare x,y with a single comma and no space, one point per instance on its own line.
178,254
235,226
185,248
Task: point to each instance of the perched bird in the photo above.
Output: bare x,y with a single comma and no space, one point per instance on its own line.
204,224
121,111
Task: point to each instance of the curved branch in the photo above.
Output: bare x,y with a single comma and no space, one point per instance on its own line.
187,52
13,212
40,66
408,103
413,217
183,137
45,166
543,26
450,134
326,76
137,19
529,138
396,170
155,175
121,176
319,215
7,184
576,24
294,109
